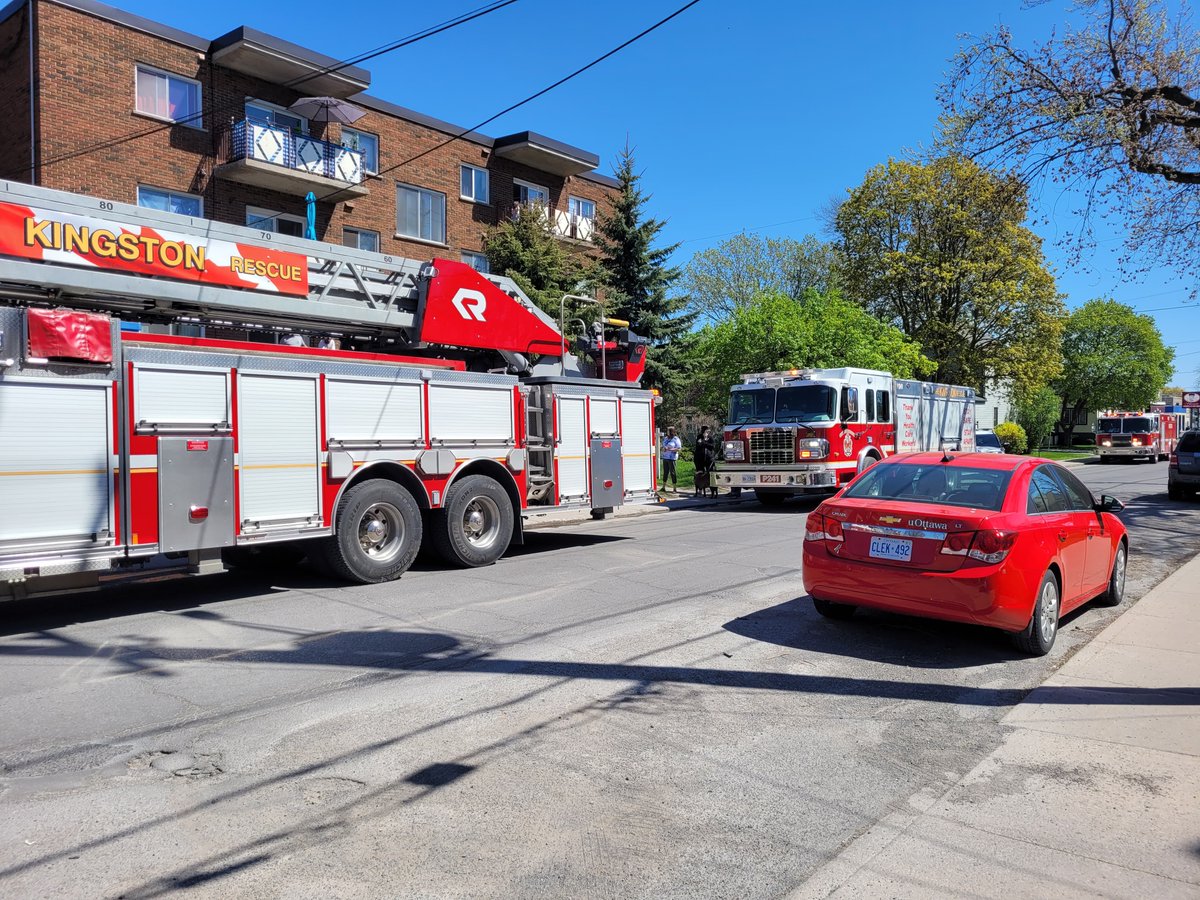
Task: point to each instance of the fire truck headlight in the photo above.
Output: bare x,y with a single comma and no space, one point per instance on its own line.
1106,443
735,451
1137,442
814,448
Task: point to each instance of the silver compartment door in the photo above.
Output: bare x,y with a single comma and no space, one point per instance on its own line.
637,445
279,466
608,488
56,488
195,493
571,452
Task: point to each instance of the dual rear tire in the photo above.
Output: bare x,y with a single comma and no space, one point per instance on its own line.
379,529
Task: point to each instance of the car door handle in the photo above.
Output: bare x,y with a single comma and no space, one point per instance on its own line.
1062,537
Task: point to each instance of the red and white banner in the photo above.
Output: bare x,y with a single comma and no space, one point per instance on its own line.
66,238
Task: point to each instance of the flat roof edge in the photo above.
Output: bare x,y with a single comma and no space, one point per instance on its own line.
137,23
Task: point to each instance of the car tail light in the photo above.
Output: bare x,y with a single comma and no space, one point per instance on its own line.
833,530
957,543
992,546
1173,460
814,527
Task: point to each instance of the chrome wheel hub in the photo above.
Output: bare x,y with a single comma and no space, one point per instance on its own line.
481,522
1048,612
381,532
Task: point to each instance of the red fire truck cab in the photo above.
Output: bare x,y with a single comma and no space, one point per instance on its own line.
813,430
1137,435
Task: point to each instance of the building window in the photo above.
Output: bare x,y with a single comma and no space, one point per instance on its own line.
169,97
527,194
476,261
420,213
263,113
366,144
473,183
276,223
582,209
362,240
170,201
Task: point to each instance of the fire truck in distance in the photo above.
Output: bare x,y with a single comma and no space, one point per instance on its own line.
813,430
1137,435
457,414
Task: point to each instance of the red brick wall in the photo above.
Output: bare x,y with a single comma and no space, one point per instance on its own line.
15,136
87,96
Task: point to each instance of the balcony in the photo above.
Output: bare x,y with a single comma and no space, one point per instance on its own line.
573,225
563,224
277,159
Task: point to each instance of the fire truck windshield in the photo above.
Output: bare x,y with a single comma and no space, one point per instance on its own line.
754,407
1125,426
807,403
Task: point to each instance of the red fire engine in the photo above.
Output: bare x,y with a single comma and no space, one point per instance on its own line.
809,431
1137,435
123,447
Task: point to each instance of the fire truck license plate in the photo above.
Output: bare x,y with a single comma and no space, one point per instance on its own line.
771,479
891,548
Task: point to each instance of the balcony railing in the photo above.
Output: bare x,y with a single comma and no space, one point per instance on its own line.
562,223
280,147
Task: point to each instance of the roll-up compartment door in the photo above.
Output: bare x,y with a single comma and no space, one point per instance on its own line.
603,416
279,471
374,411
571,453
55,462
480,413
637,445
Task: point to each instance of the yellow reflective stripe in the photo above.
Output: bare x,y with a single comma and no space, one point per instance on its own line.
280,466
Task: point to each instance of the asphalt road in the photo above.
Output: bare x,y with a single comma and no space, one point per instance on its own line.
643,707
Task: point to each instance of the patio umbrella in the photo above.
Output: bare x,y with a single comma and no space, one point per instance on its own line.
327,109
310,227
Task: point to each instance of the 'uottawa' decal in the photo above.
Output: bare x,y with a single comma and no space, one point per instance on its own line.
470,304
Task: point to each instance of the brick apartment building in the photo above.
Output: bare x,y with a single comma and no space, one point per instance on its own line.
219,141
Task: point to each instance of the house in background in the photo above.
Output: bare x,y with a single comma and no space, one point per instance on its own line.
216,138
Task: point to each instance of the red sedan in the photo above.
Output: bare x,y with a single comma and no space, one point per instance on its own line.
1008,541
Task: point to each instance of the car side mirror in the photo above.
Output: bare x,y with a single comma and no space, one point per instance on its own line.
1109,504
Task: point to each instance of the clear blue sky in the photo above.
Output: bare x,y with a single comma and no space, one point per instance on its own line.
745,114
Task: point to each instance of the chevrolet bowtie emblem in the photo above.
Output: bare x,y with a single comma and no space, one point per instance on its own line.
889,520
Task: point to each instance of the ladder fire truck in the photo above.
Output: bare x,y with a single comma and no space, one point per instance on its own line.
1137,435
459,413
813,430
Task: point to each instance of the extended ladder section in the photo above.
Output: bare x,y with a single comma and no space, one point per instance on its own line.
63,248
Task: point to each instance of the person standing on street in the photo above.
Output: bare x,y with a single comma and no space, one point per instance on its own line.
671,446
706,457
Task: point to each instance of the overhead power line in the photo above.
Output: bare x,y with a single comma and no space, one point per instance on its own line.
407,41
595,62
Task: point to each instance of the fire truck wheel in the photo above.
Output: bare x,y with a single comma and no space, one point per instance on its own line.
377,533
475,524
771,498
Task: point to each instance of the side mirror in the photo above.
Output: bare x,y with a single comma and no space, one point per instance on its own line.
1109,504
849,404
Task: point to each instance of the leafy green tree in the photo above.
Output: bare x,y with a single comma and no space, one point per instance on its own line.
1110,109
939,249
774,332
1038,412
635,275
730,275
1012,437
525,249
1112,358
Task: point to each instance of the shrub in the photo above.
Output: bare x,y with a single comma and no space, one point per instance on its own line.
1038,413
1012,436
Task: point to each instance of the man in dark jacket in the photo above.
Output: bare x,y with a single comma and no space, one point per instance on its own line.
705,457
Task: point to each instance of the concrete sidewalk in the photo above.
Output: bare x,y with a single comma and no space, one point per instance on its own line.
1094,793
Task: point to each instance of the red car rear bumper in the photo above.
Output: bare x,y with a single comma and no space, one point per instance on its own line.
1000,596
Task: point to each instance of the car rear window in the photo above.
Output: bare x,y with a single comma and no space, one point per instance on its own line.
1190,442
988,439
969,486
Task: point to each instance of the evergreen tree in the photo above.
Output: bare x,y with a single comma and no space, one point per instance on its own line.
635,275
526,250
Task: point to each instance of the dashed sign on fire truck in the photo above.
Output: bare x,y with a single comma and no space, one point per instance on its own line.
458,414
809,431
1137,435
